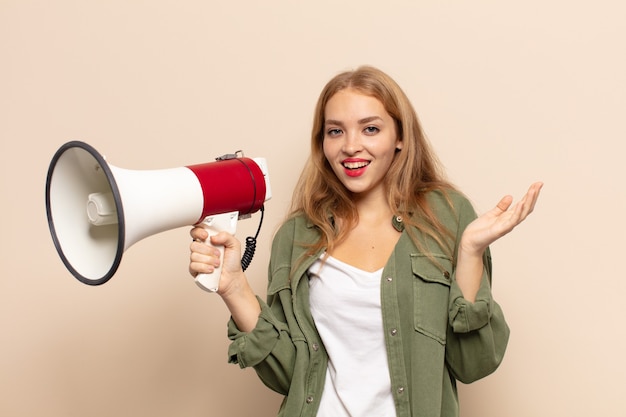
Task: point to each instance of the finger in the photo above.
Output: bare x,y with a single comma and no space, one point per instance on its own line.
196,268
525,206
504,204
534,191
224,239
530,199
204,249
203,263
199,233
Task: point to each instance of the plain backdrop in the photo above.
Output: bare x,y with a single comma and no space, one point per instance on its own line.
508,93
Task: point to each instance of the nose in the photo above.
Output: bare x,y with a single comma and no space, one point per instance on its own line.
352,143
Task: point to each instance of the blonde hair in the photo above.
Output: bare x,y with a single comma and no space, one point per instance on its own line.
321,197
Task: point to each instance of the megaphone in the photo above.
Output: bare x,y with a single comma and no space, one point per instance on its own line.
96,211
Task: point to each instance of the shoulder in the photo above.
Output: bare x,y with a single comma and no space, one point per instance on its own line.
293,226
291,242
294,231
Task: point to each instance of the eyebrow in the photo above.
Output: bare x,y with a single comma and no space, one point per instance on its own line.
363,121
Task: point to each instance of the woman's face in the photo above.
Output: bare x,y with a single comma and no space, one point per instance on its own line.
360,141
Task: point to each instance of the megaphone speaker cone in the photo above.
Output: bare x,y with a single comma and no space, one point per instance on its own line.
91,254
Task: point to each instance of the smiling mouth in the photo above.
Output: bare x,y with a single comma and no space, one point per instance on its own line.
355,165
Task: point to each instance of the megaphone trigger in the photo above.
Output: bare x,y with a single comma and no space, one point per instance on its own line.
226,222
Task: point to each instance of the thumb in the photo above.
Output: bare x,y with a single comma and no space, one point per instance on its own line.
224,239
505,203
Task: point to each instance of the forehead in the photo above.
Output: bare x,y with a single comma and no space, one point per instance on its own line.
349,104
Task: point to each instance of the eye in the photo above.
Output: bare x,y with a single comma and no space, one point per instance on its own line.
371,130
333,132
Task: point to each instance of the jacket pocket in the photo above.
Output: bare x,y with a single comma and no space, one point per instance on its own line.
431,291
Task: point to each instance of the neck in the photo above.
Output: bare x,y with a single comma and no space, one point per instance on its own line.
373,208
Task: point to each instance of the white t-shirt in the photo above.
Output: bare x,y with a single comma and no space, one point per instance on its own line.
346,307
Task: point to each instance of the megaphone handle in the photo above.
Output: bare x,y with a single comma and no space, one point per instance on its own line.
226,222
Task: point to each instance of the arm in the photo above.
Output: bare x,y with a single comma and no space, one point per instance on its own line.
478,333
484,231
260,331
234,287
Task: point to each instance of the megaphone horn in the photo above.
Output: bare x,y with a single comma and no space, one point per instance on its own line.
96,211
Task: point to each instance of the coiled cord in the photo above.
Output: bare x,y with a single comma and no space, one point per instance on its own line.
248,252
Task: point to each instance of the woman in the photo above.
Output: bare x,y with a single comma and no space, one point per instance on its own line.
379,281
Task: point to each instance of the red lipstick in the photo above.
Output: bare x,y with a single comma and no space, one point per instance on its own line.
355,167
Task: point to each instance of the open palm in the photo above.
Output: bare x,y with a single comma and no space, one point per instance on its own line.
499,221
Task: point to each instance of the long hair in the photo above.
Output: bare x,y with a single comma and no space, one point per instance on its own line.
415,170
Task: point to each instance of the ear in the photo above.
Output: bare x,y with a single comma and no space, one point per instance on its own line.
399,145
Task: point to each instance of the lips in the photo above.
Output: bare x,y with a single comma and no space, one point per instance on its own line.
355,167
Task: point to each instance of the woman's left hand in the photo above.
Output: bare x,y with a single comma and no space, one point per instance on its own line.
499,221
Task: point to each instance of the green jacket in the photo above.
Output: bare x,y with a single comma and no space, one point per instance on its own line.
433,335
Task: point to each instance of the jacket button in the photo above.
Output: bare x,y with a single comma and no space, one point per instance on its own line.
446,274
315,347
397,224
393,332
309,399
400,390
389,279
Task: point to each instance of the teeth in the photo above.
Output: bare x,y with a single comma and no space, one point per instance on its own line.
355,165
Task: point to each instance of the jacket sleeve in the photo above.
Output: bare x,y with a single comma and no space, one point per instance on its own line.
269,348
477,333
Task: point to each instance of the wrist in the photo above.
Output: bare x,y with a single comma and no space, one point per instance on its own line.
235,286
469,270
470,251
242,303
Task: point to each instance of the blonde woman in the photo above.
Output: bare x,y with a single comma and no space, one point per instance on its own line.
379,294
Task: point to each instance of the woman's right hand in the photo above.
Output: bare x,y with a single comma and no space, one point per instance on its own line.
233,285
205,257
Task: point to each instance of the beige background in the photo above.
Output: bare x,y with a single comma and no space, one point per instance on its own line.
508,92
